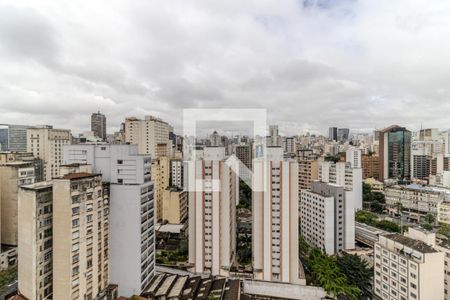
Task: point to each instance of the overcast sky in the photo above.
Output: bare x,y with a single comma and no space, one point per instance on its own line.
311,63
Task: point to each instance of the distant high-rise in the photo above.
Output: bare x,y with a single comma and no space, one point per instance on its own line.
46,143
215,140
151,135
395,153
212,213
290,145
343,134
13,138
98,125
244,154
333,134
274,139
275,218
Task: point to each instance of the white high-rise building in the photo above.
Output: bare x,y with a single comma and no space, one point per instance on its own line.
213,189
46,143
176,173
151,135
353,156
275,218
342,174
132,237
328,217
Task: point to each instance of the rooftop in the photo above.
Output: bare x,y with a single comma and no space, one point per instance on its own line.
74,165
182,286
78,175
38,185
411,243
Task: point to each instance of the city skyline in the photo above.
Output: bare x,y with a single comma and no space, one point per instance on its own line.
302,62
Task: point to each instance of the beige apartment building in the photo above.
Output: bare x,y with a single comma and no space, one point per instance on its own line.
407,268
63,238
35,268
213,189
80,236
161,177
47,144
308,171
151,135
175,203
12,176
416,201
275,218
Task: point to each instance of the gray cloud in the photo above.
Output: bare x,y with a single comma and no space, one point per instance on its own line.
312,64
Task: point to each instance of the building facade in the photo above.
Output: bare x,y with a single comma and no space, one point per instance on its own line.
151,135
333,134
308,171
12,176
275,218
416,201
13,138
342,174
174,205
35,245
244,154
395,153
80,236
213,189
177,173
406,268
327,217
98,125
161,177
46,143
370,165
132,231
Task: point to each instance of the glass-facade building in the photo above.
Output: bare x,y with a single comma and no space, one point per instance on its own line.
395,153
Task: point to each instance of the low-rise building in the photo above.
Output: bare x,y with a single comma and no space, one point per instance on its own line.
416,201
406,268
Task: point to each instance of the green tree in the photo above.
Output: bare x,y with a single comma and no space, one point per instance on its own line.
357,271
332,158
366,217
244,249
367,188
430,218
388,226
444,229
328,275
427,226
245,195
